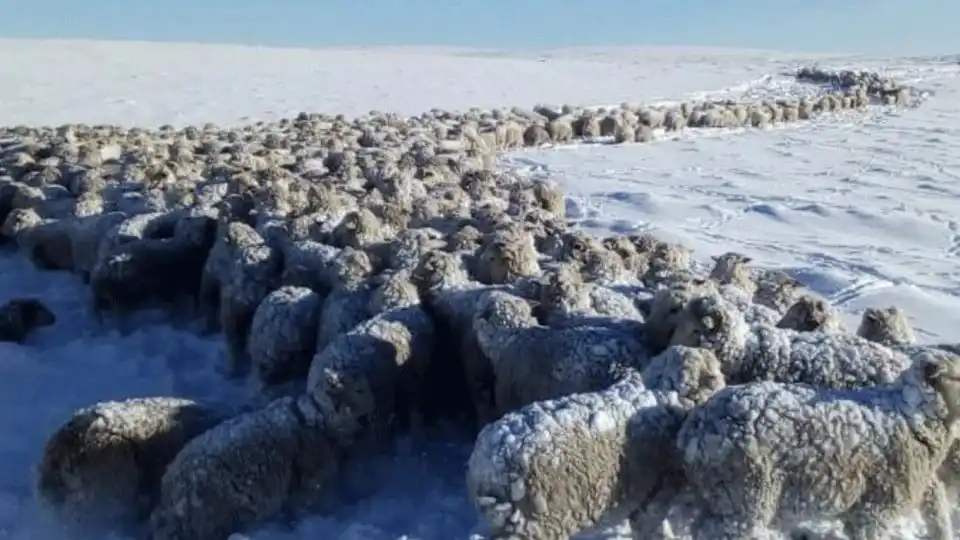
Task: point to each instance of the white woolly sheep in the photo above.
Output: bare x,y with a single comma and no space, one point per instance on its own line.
103,466
379,367
45,242
770,453
776,290
888,326
765,352
22,316
812,314
554,468
348,303
532,362
506,258
250,469
283,335
731,268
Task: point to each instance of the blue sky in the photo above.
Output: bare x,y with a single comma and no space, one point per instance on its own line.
869,26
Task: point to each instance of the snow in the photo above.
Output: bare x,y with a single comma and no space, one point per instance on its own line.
861,206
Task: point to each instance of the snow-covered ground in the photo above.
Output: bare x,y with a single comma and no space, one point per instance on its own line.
862,207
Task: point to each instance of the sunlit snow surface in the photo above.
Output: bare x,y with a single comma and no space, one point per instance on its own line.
861,206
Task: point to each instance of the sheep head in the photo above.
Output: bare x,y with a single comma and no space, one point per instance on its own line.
394,290
18,220
437,269
702,323
890,326
807,314
694,373
777,289
503,310
350,397
350,267
507,260
942,373
728,264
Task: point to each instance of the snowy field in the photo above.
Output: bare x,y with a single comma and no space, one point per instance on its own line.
863,207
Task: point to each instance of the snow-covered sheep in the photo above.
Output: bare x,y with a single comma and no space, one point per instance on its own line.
532,362
765,352
135,272
45,242
248,278
103,466
252,468
776,290
889,326
379,367
506,258
557,467
283,335
768,454
231,236
22,316
86,236
731,269
812,314
348,303
564,298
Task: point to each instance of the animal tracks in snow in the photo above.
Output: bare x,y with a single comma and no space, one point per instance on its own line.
856,205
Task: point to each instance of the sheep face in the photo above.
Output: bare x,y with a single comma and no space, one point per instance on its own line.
776,290
503,310
439,269
350,396
807,314
665,312
889,326
394,291
695,374
577,245
728,265
507,261
351,266
709,322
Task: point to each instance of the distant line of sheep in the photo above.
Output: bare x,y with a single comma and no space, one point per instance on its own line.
378,276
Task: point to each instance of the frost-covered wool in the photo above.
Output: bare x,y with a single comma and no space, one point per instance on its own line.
565,299
812,314
532,362
666,308
507,258
283,335
557,467
103,466
864,456
131,273
889,326
252,274
767,353
231,236
731,269
776,290
45,242
347,304
250,469
21,316
86,236
379,367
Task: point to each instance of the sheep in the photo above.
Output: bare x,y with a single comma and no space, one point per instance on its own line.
532,362
252,468
45,242
231,236
557,467
283,335
507,257
86,237
565,299
812,314
381,364
135,272
20,317
103,466
347,305
768,454
776,290
731,268
247,279
888,326
764,352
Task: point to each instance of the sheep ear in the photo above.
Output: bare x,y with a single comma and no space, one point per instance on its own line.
715,258
746,259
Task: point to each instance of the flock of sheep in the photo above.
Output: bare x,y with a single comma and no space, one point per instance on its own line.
381,276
